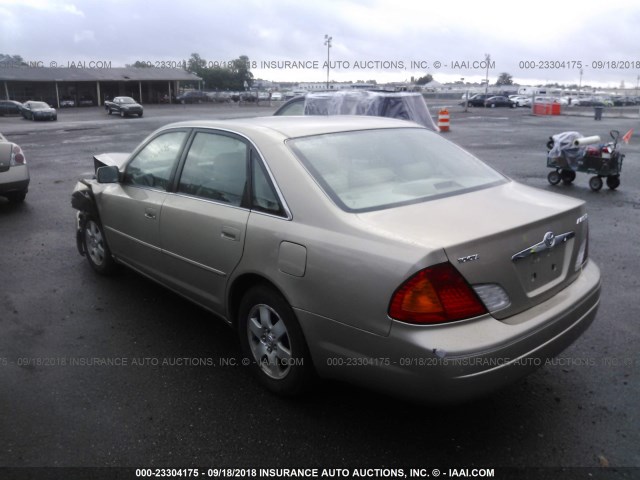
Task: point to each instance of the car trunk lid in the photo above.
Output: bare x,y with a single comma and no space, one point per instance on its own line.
525,240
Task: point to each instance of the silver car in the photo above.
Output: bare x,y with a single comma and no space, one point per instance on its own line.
14,172
364,249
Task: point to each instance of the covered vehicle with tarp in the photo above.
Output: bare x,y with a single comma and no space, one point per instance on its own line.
403,105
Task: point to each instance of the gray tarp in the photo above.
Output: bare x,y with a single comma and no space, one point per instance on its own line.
402,105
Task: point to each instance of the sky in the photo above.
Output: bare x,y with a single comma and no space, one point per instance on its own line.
536,42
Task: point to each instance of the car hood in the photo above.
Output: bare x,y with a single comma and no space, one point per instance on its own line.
480,232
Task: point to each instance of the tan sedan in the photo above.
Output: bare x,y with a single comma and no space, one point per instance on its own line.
364,249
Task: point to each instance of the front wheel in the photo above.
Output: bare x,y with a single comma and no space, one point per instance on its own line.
96,248
595,183
553,177
273,341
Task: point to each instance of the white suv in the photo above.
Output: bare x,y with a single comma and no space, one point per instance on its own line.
14,173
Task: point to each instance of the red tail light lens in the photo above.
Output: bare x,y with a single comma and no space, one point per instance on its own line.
435,295
17,157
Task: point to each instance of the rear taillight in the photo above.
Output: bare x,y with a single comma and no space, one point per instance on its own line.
17,157
435,295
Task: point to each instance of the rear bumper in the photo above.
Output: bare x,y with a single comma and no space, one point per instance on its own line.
16,179
459,361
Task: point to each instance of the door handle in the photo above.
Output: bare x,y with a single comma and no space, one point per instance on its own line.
230,233
150,213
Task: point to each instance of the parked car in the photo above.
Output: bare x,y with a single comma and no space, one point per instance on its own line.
620,101
32,110
219,97
14,173
544,100
276,96
86,101
519,100
124,106
365,249
195,96
402,105
588,102
477,100
10,107
606,101
67,102
248,97
499,101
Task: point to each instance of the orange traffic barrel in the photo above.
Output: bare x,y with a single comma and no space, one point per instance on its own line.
443,120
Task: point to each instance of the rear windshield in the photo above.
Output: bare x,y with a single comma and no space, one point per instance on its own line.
375,169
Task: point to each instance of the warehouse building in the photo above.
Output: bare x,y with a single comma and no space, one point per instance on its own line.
93,85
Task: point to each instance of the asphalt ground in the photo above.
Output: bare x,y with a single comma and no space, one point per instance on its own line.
573,418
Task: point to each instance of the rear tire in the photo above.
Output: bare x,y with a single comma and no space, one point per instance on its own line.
273,341
16,197
613,182
96,249
568,176
553,178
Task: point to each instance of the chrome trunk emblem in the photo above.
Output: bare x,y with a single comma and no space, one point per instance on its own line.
548,242
549,239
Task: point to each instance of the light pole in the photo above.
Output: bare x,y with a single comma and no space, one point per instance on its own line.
580,84
327,42
487,59
466,97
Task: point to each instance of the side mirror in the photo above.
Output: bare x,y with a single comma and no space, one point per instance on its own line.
109,174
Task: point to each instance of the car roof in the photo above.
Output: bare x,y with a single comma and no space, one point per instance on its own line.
299,126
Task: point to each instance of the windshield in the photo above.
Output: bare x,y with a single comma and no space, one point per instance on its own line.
126,100
38,105
375,169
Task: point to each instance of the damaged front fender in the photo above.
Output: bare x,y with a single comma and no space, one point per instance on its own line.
83,200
